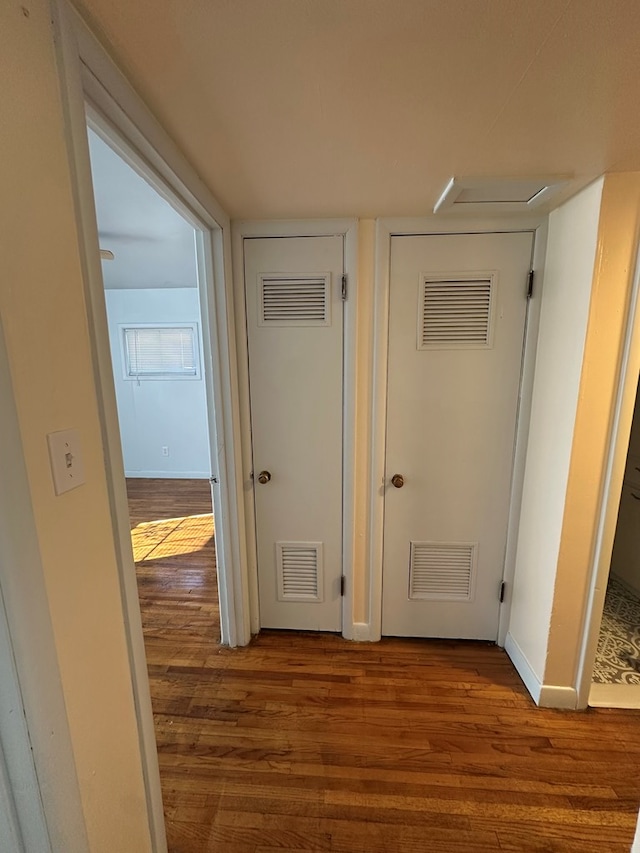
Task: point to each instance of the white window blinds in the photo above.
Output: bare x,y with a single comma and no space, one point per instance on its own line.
160,351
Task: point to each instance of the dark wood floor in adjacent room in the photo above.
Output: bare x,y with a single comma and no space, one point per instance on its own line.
305,742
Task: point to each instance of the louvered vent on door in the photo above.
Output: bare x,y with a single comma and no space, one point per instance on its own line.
455,312
294,300
442,570
299,570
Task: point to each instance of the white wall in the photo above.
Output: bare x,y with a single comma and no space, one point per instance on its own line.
33,652
569,268
159,413
43,310
153,245
595,472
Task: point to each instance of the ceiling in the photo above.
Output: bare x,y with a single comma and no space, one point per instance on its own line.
153,245
304,108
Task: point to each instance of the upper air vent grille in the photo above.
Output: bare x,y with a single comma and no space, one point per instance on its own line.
294,300
455,312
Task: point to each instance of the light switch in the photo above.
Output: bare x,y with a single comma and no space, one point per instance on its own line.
66,460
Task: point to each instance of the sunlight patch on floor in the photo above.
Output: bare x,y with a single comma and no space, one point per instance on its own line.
171,537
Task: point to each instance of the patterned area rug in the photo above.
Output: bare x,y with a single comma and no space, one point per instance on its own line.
618,655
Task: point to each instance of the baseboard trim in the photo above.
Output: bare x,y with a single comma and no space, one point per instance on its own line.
555,696
357,632
523,668
635,848
167,475
614,696
544,695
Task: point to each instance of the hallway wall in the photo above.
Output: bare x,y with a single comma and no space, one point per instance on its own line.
613,277
571,251
42,306
595,238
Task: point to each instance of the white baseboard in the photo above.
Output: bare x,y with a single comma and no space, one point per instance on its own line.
357,632
167,475
614,696
554,696
544,695
636,841
523,667
362,632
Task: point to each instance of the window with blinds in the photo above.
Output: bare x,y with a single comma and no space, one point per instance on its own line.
160,351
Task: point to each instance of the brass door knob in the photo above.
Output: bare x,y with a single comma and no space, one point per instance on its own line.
397,480
264,477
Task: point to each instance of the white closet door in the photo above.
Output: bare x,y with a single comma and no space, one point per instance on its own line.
295,322
457,316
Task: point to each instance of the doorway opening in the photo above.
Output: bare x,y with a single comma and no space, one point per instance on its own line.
616,671
153,307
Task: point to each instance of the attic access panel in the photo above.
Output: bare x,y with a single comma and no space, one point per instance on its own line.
498,195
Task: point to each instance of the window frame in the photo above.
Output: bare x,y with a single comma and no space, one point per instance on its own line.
162,377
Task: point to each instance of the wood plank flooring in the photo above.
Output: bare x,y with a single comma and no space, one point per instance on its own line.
305,742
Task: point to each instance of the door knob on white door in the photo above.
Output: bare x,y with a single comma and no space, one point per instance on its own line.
264,477
397,480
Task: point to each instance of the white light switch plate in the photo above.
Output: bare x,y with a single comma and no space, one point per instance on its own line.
66,460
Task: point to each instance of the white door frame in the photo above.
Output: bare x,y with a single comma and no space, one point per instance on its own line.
88,74
348,229
206,248
611,493
386,229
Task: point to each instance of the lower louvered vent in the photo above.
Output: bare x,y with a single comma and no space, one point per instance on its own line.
299,570
455,313
442,570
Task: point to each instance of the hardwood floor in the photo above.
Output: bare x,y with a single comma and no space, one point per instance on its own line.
305,742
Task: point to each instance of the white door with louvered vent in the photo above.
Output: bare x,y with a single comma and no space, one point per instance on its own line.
294,322
456,327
